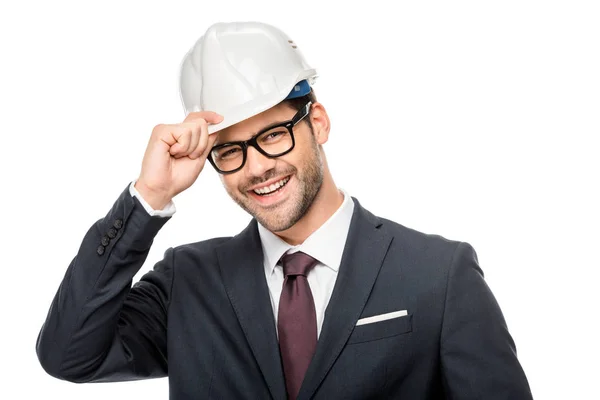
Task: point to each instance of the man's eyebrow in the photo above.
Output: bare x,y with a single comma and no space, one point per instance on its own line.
273,125
266,128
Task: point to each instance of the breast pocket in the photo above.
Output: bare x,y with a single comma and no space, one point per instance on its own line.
381,329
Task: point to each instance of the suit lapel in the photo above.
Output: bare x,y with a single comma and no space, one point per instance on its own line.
241,264
363,256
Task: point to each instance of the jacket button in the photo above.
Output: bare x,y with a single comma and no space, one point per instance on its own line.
112,233
100,250
118,223
105,240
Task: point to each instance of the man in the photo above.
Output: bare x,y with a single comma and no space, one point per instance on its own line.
316,298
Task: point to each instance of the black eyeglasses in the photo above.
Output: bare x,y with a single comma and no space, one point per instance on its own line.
272,141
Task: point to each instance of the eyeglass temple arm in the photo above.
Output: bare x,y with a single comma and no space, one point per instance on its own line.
299,117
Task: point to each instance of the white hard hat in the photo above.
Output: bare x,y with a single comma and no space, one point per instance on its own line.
241,69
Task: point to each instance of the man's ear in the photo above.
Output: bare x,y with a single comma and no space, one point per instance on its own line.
320,122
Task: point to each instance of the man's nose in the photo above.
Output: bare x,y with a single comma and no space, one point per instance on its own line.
257,164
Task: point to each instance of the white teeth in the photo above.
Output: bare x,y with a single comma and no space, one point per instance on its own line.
271,188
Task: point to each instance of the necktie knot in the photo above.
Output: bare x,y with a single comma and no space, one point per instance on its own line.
298,263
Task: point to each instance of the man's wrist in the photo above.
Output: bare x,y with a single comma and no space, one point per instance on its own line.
155,199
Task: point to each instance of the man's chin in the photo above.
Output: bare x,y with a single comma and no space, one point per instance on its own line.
275,221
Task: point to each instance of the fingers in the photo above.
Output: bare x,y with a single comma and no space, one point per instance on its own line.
202,140
192,139
189,138
210,144
196,132
183,138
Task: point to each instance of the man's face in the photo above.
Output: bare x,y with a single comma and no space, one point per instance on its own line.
299,173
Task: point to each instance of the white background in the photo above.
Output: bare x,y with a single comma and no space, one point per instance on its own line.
474,120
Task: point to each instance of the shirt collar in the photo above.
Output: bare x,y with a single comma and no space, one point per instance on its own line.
326,244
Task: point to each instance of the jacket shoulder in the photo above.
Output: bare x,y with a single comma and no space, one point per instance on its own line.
416,239
429,254
424,257
410,238
202,246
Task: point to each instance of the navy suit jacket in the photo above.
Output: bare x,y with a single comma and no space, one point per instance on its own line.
202,316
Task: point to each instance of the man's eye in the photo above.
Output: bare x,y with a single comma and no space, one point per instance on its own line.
272,136
230,152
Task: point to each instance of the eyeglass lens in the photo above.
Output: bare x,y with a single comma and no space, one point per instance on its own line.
273,142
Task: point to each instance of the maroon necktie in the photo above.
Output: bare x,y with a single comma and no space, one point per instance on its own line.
297,320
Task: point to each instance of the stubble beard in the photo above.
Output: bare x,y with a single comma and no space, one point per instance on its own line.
282,217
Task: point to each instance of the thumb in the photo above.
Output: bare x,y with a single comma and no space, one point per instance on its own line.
212,117
209,116
211,141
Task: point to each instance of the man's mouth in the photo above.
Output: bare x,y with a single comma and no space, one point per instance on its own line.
273,188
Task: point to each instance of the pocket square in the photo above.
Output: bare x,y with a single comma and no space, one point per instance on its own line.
381,317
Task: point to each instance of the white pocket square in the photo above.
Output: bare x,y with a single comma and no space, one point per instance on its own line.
382,317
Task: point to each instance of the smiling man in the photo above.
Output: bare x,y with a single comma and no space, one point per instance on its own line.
283,181
317,298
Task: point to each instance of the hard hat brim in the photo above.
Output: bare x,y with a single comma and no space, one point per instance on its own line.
257,106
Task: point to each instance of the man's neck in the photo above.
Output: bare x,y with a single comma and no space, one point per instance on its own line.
327,201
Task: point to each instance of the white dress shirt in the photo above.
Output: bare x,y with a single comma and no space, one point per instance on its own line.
326,244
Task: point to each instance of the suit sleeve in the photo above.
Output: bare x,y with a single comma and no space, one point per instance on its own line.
478,354
99,327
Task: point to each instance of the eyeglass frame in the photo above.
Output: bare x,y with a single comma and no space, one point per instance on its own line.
289,125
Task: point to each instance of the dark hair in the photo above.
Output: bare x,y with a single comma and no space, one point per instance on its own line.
299,102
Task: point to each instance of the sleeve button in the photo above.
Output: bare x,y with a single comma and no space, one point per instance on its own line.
105,240
112,233
100,250
118,223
